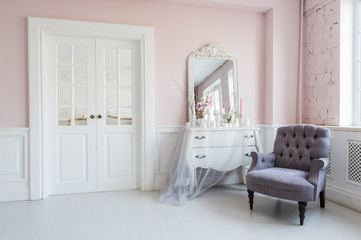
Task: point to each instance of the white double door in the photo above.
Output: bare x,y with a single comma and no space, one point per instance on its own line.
92,110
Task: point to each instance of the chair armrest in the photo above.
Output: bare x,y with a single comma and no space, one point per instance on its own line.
262,161
317,165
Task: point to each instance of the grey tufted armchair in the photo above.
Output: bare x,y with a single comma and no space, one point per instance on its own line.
295,170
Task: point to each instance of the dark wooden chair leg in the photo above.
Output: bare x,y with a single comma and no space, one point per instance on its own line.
302,209
322,199
250,197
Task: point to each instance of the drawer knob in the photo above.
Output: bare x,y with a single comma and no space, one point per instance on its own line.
247,154
248,136
200,137
201,156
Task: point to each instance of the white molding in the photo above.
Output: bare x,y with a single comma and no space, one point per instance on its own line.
356,65
38,29
14,186
147,88
343,197
258,6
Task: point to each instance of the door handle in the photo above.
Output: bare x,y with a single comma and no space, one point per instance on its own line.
92,116
99,116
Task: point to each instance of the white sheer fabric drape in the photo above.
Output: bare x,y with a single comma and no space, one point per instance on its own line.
185,181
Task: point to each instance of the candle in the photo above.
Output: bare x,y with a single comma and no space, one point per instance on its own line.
236,123
248,121
241,110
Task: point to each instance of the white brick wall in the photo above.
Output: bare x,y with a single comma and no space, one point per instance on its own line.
321,39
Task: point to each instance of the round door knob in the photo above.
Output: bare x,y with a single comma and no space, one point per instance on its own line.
99,116
92,116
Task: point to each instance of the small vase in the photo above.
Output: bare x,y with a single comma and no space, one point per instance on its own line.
193,122
201,113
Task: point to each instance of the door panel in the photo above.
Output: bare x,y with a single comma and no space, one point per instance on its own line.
72,158
114,153
117,84
71,100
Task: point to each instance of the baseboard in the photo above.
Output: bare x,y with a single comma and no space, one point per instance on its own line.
161,181
344,198
14,192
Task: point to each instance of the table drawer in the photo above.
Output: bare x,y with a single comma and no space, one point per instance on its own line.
248,138
223,138
221,159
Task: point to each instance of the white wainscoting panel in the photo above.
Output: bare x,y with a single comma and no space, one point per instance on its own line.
166,141
339,187
14,164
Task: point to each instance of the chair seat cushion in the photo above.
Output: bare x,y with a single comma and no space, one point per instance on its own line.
284,183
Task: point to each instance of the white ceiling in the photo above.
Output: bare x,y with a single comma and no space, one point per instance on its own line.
259,6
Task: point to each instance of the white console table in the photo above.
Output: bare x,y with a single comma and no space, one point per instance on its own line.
201,151
222,149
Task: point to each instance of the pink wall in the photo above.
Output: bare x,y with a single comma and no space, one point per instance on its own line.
178,30
285,40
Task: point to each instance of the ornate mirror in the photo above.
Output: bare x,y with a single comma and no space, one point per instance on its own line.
212,72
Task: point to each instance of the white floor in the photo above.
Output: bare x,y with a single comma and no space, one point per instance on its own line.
220,213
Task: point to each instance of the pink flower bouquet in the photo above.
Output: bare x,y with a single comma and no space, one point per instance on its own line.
204,103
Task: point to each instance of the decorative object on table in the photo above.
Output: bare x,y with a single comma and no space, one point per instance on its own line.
223,111
241,108
235,123
217,117
231,116
204,105
295,170
227,117
247,122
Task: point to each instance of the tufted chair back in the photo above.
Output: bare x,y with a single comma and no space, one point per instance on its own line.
297,145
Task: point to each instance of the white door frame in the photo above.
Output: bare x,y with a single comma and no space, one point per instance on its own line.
38,29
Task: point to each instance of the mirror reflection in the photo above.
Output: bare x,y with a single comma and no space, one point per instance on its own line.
214,77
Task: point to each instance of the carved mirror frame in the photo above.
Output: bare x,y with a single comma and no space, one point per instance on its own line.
211,51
